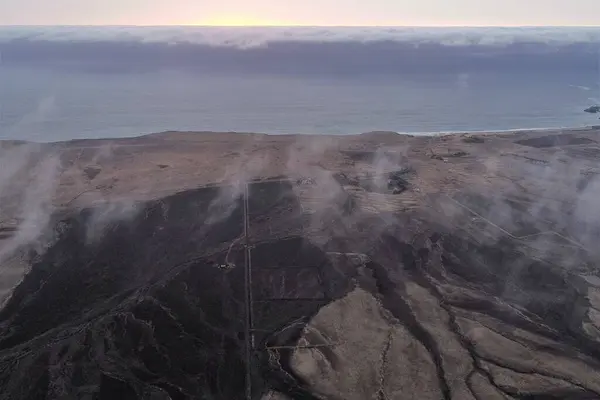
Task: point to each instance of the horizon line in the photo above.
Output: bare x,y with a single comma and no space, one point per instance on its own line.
283,26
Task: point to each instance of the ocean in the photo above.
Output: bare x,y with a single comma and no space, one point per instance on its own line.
62,83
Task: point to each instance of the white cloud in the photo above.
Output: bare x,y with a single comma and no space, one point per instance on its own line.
259,36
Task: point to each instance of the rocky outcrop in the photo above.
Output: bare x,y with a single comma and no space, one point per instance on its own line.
592,109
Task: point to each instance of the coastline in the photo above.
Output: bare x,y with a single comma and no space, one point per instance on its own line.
279,265
573,129
515,131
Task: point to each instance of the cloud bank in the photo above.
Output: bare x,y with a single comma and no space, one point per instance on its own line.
251,37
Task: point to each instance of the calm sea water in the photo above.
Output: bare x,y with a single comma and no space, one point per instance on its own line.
66,83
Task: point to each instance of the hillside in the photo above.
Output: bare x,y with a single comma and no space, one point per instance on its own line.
233,266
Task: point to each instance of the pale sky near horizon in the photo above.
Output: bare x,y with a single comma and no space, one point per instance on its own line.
305,12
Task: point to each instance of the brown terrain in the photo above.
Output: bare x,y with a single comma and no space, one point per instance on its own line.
246,266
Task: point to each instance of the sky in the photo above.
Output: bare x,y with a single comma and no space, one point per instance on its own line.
302,12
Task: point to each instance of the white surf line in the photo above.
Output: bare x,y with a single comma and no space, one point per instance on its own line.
510,234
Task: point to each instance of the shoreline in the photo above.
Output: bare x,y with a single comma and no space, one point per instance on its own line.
516,131
583,128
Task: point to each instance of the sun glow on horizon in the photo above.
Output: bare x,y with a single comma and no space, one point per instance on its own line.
239,20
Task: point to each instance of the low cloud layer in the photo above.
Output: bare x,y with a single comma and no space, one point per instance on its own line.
250,37
35,207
